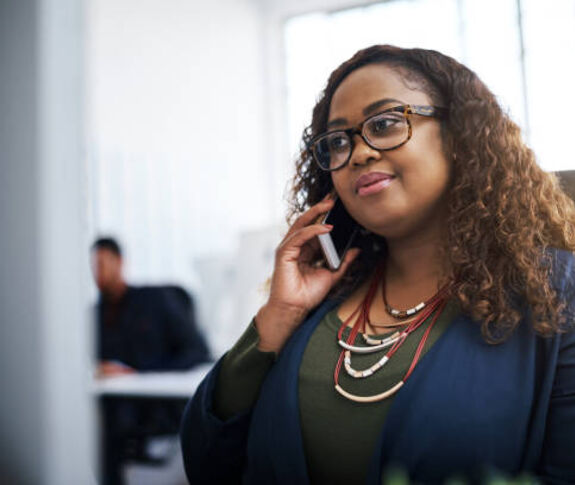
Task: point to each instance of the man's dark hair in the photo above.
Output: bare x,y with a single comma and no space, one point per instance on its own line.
108,243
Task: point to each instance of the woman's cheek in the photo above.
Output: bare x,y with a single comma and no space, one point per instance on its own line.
338,184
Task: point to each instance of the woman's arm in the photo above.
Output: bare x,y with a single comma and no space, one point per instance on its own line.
217,419
557,464
213,449
241,376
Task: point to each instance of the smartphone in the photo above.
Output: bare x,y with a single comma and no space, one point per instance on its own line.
336,243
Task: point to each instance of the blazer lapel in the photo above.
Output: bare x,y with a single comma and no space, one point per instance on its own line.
467,402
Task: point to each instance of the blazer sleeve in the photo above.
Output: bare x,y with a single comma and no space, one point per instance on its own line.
216,421
214,450
557,463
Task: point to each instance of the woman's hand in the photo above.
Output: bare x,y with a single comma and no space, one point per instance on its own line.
298,284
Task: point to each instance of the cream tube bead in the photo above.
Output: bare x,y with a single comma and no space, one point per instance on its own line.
375,398
368,350
358,374
371,341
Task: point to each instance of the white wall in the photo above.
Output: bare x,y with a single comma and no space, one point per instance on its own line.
45,410
187,148
177,125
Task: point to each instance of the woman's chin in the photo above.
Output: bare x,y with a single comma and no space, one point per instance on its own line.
396,230
381,230
383,225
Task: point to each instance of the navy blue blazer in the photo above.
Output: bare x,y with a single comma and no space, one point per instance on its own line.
468,406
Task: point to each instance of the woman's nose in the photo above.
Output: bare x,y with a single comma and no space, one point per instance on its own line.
362,153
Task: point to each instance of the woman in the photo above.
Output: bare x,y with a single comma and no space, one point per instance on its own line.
443,344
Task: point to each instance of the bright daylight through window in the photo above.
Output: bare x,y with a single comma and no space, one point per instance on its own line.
522,49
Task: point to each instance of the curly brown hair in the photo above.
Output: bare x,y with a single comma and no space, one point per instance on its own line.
505,212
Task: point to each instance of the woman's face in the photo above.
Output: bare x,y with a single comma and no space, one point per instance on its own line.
413,179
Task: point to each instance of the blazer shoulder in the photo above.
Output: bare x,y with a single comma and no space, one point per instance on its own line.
562,273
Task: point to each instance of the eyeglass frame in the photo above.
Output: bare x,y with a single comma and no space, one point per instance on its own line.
438,112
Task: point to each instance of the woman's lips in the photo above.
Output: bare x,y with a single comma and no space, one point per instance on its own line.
372,182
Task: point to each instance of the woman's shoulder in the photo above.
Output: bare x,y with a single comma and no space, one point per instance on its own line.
562,269
561,258
562,273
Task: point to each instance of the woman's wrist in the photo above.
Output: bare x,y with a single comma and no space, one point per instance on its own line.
275,323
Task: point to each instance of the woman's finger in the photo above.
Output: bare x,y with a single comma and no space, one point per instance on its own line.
311,251
311,215
300,237
347,260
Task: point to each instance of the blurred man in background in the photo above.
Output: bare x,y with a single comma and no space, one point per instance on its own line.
138,329
148,328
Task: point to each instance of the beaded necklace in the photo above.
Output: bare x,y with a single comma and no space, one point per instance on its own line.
402,314
434,305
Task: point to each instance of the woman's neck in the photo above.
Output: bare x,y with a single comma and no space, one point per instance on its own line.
416,261
411,263
414,272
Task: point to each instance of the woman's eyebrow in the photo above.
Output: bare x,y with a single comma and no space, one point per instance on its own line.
366,111
337,122
378,104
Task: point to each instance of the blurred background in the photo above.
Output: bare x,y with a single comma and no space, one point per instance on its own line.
173,125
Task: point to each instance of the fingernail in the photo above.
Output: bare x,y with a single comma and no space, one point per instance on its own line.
328,226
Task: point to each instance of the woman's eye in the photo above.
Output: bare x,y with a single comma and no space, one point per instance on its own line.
382,125
338,143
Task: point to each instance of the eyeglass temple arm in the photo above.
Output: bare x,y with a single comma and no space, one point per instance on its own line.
421,110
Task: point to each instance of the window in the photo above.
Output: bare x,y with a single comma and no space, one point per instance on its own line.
522,49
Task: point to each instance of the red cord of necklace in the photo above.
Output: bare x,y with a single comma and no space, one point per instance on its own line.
435,303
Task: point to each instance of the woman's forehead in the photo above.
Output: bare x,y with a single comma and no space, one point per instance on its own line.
369,85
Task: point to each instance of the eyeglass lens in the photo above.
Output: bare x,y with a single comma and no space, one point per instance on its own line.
383,131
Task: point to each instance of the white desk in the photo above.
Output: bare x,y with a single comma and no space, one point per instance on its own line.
176,384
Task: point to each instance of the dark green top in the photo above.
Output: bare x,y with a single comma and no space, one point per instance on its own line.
339,435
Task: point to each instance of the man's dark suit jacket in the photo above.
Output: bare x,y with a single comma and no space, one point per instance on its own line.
150,329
